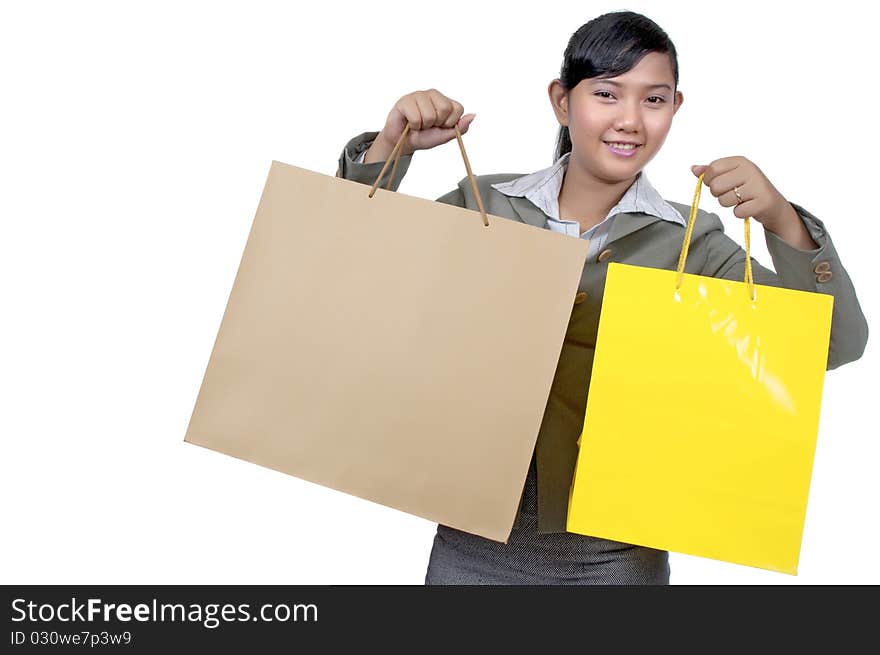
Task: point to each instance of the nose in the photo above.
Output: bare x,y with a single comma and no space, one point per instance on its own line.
629,119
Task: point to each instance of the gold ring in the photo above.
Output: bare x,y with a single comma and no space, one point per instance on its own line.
738,197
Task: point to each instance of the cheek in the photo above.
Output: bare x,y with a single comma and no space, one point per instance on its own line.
591,124
657,125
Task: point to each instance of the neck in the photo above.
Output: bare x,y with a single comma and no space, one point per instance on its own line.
587,199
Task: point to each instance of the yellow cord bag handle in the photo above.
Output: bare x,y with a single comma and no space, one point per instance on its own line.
692,219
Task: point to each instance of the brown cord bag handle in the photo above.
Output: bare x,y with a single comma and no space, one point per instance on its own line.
395,155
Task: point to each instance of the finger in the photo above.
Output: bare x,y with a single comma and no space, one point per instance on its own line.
427,113
457,112
746,209
412,114
452,111
465,122
726,182
717,167
442,109
729,199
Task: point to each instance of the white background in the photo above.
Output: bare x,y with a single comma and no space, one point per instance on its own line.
136,138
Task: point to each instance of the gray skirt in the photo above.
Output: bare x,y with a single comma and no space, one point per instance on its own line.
529,558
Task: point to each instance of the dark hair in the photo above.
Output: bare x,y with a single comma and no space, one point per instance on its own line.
607,46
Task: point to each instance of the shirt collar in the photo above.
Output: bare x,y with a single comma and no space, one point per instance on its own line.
542,189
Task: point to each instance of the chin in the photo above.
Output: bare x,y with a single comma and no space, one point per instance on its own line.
619,174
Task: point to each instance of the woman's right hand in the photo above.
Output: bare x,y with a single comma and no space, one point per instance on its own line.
431,117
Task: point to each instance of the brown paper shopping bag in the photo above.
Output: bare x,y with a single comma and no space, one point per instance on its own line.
390,347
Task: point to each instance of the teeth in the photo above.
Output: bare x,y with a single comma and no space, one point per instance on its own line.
623,146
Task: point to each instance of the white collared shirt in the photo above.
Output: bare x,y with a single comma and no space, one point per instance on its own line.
542,189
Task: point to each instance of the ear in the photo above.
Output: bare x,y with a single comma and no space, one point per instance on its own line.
679,99
559,98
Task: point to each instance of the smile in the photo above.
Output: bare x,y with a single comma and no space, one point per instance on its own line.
622,149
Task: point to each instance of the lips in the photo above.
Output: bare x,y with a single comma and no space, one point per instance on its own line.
626,143
623,151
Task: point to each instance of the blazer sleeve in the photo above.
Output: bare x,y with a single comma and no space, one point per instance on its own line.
819,271
350,169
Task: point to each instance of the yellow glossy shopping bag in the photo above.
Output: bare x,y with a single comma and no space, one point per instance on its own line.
702,414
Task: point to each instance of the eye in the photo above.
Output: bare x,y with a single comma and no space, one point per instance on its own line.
659,100
607,94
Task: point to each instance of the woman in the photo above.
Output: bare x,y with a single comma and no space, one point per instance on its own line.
615,100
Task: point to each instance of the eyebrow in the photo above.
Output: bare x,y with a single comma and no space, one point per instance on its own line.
647,86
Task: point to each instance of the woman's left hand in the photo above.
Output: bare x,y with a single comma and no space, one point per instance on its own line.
759,198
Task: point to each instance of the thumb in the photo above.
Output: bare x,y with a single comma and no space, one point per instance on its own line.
698,170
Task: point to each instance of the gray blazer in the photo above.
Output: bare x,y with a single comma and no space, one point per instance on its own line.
641,240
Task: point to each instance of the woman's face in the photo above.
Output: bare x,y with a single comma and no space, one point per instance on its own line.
634,108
